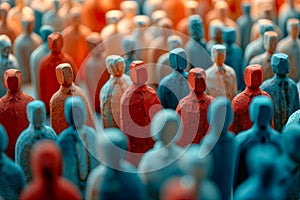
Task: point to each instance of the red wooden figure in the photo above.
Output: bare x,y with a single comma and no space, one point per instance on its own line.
47,83
13,108
47,184
193,109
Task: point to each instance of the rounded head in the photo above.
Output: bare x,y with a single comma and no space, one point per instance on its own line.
46,161
157,15
178,59
28,23
195,27
267,11
76,16
261,110
270,40
3,139
128,44
165,23
254,76
141,21
45,31
56,4
115,65
221,8
191,8
36,112
174,42
220,114
215,29
113,16
93,40
5,45
13,80
246,7
228,35
111,146
166,126
75,111
265,25
280,63
197,80
293,27
291,139
129,7
218,54
4,8
138,72
55,42
64,74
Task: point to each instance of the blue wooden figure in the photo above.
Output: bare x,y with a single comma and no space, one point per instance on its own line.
174,86
234,55
215,34
294,118
36,131
12,179
115,178
282,89
261,113
196,46
37,55
77,144
128,46
160,163
222,144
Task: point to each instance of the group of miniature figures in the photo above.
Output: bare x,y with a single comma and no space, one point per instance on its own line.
149,99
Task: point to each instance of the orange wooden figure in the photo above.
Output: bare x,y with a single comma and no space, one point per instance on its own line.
6,27
175,9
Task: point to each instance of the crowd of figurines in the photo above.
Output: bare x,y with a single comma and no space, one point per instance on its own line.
196,99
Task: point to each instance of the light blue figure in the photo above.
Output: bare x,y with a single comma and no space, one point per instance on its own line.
234,55
12,179
128,46
282,89
116,178
215,35
294,118
222,144
37,55
77,144
36,131
196,46
261,132
174,86
161,162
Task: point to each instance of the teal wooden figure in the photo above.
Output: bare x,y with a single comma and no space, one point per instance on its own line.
128,46
36,131
245,23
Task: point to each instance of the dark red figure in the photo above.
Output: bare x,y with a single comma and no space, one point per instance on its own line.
47,182
253,76
13,108
47,82
139,104
193,109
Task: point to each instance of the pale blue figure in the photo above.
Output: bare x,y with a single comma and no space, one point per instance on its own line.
115,178
161,162
77,144
12,179
234,55
294,118
261,132
282,89
37,55
174,86
196,46
215,35
36,131
222,144
128,46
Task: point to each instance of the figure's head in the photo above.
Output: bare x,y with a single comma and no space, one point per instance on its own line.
270,41
4,8
261,111
264,25
195,27
291,139
246,7
141,21
280,64
221,8
178,59
55,42
36,113
5,45
228,35
166,26
293,26
28,23
94,42
129,8
56,4
157,15
3,139
191,8
13,80
64,74
267,11
75,111
215,30
197,80
254,76
138,72
115,65
76,16
128,44
45,31
174,42
218,54
113,16
166,126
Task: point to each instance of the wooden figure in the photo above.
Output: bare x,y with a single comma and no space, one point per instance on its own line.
175,9
47,82
39,7
7,61
195,47
287,11
161,162
65,77
6,27
220,78
48,183
129,48
77,144
156,16
111,148
12,179
261,113
129,9
270,43
25,44
112,91
253,77
215,35
282,89
139,103
67,7
151,6
174,86
245,23
74,37
36,132
259,6
291,46
222,144
193,108
37,56
294,118
234,55
13,108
